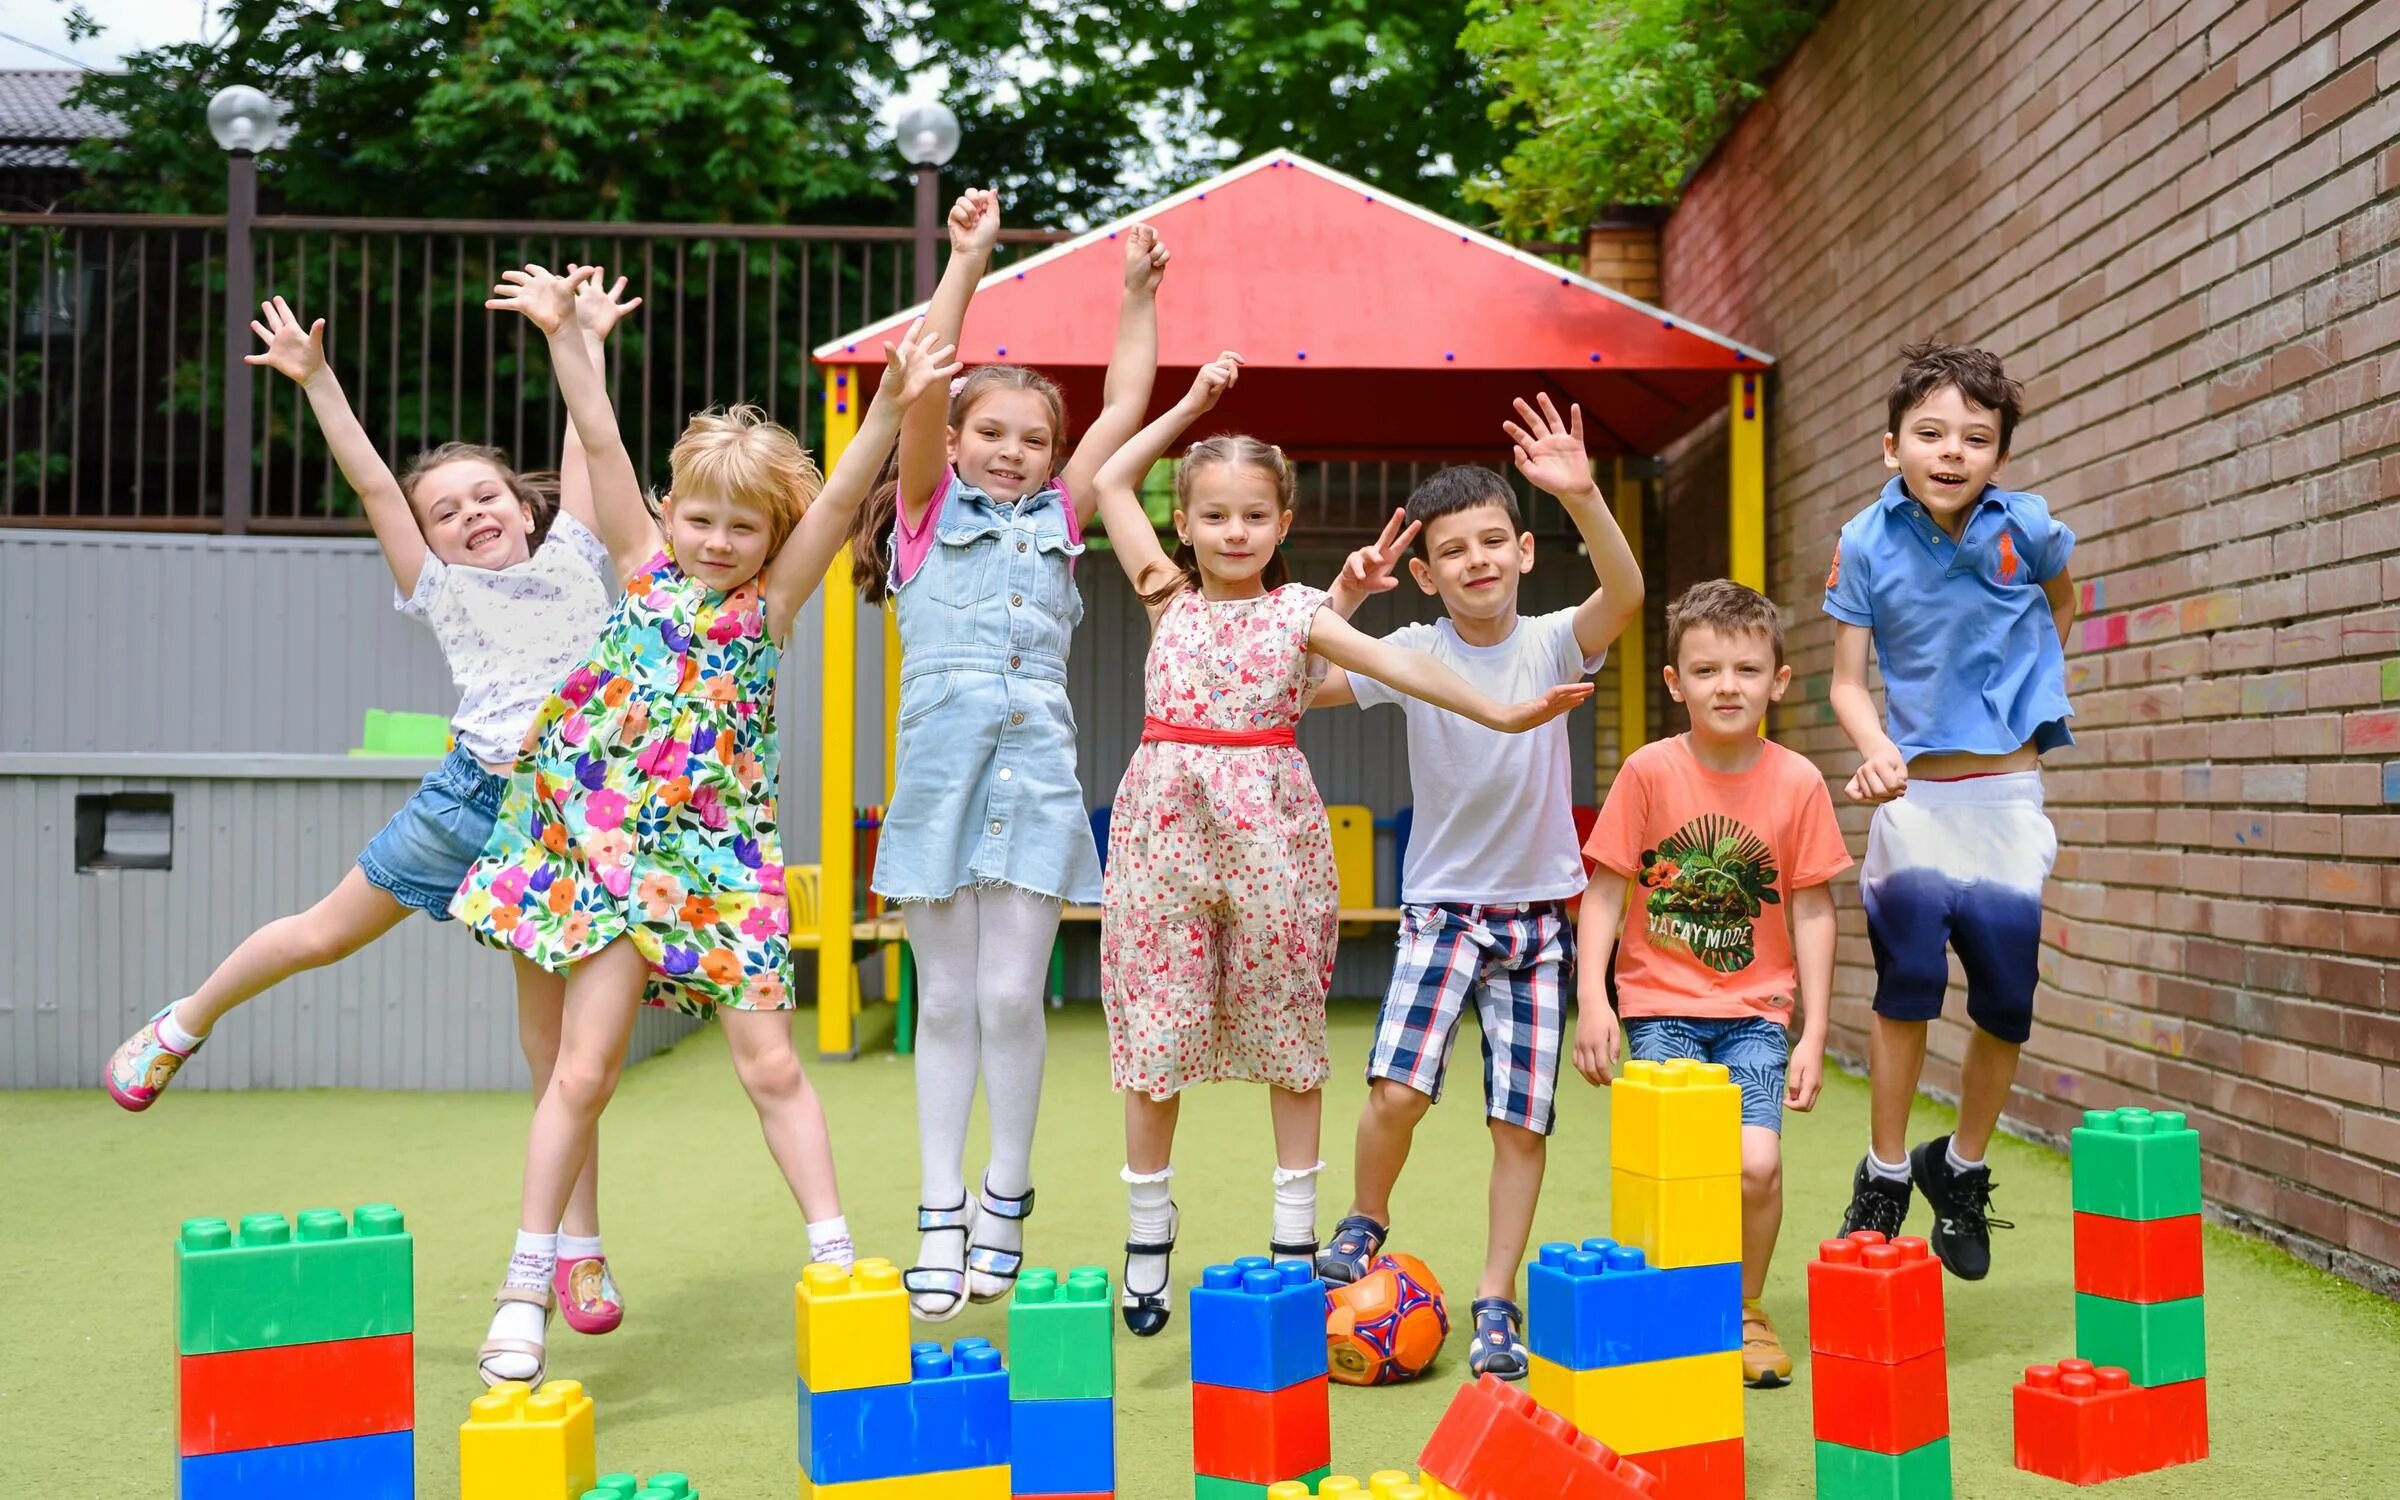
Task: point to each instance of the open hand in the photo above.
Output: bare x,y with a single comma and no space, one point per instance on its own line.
1214,380
1596,1041
1370,569
975,222
917,364
1550,453
599,307
1145,259
291,350
1519,717
1880,778
543,296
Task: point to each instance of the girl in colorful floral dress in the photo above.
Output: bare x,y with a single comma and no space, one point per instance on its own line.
636,848
1219,904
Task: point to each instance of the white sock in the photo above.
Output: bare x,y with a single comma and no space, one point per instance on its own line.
171,1031
531,1266
829,1241
1957,1162
1888,1171
577,1247
1150,1220
1296,1206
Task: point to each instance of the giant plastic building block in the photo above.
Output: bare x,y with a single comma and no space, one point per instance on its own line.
1064,1447
2080,1424
1670,1403
851,1326
1604,1304
274,1283
1386,1484
1678,1221
957,1484
1261,1437
1888,1408
295,1393
1878,1369
1696,1471
1257,1325
1494,1443
2158,1343
381,1467
521,1444
1210,1487
2133,1164
668,1486
1675,1119
2138,1260
1872,1300
952,1413
1861,1474
2177,1418
1060,1336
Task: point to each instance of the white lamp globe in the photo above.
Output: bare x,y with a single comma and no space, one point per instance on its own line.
928,134
243,119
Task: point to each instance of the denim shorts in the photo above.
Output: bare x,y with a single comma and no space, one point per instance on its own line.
425,851
1752,1048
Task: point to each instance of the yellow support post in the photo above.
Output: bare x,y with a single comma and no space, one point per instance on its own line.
837,984
1633,667
1746,522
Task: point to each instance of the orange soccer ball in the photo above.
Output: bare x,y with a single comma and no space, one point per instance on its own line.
1387,1326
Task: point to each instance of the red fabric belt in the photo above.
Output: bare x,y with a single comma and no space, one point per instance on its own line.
1200,734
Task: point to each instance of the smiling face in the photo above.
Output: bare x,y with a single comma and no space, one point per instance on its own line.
1233,518
1006,443
723,541
1946,451
1473,559
1726,678
470,515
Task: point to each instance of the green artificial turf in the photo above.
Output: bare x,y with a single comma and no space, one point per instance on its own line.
706,1243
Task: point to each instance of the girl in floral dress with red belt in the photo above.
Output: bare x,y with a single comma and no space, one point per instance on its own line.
636,848
1219,904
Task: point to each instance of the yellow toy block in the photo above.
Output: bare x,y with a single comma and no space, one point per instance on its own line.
852,1326
955,1484
1384,1484
522,1444
1677,1221
1667,1403
1435,1489
1675,1119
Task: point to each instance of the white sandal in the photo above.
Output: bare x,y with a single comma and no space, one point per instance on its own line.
539,1353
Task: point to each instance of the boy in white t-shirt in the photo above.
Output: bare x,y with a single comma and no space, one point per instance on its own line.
1492,874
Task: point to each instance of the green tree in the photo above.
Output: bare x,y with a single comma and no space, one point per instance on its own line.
1618,100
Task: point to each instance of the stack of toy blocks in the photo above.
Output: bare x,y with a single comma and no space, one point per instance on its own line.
295,1368
1637,1341
1062,1378
1495,1443
1384,1484
522,1444
628,1487
1878,1369
2136,1398
1259,1408
882,1419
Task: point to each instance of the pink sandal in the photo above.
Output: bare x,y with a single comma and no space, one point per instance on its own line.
587,1294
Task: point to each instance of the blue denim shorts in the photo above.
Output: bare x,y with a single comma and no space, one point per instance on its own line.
1753,1049
425,851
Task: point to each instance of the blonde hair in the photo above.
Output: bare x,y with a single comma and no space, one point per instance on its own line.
1232,450
738,453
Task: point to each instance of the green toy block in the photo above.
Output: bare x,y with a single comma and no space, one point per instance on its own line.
1060,1336
2157,1343
1860,1474
390,732
2133,1164
271,1285
1210,1487
627,1487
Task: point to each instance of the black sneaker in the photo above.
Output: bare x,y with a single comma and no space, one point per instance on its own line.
1962,1209
1876,1203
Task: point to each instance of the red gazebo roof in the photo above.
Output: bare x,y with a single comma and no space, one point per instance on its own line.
1370,326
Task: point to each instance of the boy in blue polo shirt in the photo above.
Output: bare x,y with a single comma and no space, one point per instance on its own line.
1963,588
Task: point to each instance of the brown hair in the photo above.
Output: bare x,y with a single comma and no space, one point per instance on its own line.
538,493
1233,450
1726,607
740,454
1461,487
870,562
1973,373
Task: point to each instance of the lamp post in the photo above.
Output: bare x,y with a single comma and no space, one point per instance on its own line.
928,138
243,120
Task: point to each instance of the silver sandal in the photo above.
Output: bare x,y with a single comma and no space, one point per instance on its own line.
938,1281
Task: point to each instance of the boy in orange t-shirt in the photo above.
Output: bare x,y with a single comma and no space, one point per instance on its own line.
1721,832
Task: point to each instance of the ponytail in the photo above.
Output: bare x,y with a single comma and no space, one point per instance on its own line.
1232,449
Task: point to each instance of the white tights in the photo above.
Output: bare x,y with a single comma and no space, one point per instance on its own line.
983,962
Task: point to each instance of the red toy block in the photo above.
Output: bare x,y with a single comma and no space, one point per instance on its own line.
1494,1443
1259,1437
1700,1471
2176,1417
2138,1260
2081,1424
1882,1408
293,1394
1871,1300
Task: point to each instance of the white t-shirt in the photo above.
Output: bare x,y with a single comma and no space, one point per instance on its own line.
1495,816
511,635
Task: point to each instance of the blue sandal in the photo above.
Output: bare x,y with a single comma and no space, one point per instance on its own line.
1499,1349
1356,1242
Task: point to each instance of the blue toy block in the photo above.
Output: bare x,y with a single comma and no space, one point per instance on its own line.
952,1414
1063,1447
1257,1326
1604,1305
382,1467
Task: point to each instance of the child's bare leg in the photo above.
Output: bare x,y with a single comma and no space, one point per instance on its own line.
1387,1127
1895,1062
1518,1157
1762,1205
1984,1082
355,913
793,1120
541,1011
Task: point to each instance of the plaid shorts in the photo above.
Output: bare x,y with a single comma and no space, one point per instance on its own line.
1517,960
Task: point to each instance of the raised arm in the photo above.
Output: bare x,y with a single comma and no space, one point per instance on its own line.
974,227
1420,676
1130,534
1551,456
300,354
1367,573
1132,369
597,310
916,372
1882,774
548,301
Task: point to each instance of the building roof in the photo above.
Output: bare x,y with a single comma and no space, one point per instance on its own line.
37,125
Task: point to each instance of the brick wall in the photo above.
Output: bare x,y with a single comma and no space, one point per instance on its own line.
2179,222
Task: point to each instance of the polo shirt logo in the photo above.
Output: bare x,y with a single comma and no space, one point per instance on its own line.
1834,578
2008,558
